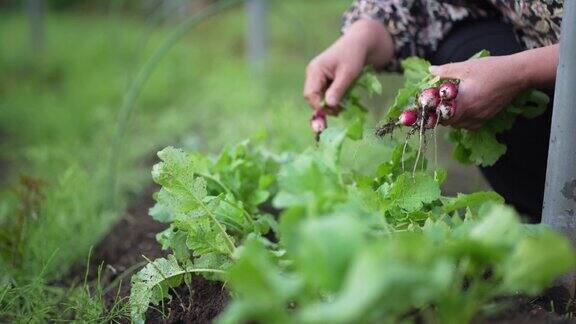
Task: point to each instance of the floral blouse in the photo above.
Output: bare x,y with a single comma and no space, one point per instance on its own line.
418,26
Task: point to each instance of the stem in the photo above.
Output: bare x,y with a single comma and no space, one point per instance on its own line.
424,152
122,276
216,181
244,212
436,142
419,146
195,270
404,148
221,228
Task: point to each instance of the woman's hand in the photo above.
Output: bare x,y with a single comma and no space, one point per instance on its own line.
489,84
331,73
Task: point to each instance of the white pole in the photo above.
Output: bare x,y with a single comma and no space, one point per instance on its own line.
257,34
560,194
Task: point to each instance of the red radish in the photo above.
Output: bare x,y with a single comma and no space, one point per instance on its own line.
408,117
318,122
429,99
446,109
448,91
431,120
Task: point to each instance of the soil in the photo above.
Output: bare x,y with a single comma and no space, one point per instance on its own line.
526,310
134,237
126,244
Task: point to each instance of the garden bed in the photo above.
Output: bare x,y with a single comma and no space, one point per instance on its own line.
134,237
126,245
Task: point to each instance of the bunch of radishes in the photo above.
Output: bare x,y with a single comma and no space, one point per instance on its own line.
432,103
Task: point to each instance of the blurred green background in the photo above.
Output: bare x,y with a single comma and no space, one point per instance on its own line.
60,99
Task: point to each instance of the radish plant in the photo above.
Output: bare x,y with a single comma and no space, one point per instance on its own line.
348,247
345,246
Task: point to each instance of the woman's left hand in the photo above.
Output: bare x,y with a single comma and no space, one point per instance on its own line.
487,86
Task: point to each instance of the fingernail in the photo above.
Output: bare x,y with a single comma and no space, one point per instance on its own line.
332,101
434,69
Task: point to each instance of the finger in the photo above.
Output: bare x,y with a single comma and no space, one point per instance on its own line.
445,71
314,87
339,86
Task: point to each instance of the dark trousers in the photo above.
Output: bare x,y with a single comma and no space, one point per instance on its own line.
520,174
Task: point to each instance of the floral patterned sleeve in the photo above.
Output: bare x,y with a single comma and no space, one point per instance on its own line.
416,26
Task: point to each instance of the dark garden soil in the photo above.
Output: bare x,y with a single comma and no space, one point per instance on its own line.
525,310
133,237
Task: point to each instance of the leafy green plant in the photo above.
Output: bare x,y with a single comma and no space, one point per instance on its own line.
347,247
212,206
362,250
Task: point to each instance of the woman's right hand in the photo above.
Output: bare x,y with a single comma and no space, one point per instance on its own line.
331,73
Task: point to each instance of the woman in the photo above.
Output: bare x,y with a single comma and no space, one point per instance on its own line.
522,36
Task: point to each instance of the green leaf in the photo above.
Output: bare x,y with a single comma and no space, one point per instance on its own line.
461,154
481,54
354,114
500,226
415,69
404,98
261,288
355,130
309,179
212,261
533,103
331,143
369,82
411,193
203,235
479,147
471,201
392,168
256,276
536,262
151,284
325,248
385,280
363,287
175,240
